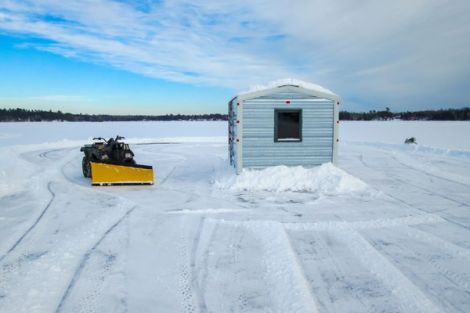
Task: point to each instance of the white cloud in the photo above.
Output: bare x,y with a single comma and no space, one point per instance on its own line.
389,53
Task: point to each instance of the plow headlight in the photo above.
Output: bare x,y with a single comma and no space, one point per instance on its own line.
128,155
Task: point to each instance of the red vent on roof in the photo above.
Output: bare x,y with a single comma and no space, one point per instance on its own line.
288,101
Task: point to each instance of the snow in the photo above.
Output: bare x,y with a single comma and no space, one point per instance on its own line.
326,179
288,81
437,137
49,132
385,230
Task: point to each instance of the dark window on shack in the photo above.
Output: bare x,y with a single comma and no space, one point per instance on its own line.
287,125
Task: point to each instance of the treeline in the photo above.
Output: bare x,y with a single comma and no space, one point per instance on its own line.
428,115
23,115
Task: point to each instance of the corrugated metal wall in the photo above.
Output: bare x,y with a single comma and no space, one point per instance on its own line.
259,148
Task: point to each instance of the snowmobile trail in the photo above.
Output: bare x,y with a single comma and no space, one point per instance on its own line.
38,219
84,259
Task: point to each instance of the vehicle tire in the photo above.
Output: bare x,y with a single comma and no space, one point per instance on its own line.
86,167
132,162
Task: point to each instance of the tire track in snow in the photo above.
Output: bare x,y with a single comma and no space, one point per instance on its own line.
291,291
210,227
433,193
195,196
76,182
409,205
194,274
188,300
229,263
328,268
412,298
428,174
440,271
85,258
35,223
418,169
167,176
44,154
428,191
451,248
191,287
369,224
308,298
430,238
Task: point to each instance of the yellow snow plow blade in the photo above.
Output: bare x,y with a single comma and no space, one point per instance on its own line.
113,174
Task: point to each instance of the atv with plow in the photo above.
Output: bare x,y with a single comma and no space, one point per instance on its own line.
111,162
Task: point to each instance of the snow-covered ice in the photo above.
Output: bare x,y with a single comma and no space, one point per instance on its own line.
386,230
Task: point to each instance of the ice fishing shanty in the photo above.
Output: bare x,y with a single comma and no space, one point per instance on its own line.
285,123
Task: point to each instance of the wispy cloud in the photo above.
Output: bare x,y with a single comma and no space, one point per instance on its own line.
393,53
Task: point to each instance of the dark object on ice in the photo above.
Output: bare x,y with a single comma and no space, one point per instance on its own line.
111,162
410,140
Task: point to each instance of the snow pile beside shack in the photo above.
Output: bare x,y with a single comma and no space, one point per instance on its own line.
326,179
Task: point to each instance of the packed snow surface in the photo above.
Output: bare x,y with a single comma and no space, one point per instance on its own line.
385,230
440,137
326,179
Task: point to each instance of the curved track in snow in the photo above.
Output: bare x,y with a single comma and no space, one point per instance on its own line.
30,228
84,259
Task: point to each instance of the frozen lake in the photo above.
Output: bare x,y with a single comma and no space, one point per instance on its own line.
448,135
385,231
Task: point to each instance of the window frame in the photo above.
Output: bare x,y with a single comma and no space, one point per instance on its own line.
290,110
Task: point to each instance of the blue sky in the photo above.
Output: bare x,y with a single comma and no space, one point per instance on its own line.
156,57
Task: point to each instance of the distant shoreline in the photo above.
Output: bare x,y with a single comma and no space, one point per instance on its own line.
23,115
